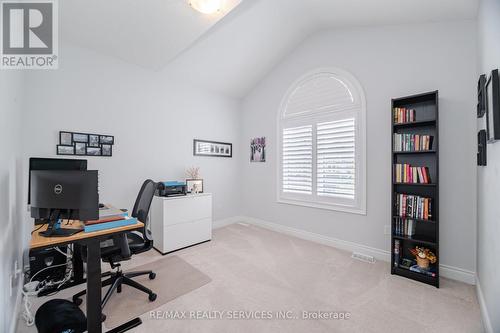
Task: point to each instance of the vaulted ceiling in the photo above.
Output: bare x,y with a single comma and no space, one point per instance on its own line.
230,51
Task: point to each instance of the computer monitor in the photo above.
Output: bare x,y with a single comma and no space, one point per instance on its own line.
37,163
63,194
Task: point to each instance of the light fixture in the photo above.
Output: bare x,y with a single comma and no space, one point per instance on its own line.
206,6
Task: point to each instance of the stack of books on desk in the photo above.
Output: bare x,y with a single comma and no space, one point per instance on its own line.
109,218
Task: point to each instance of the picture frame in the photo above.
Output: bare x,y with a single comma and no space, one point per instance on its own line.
80,148
106,150
65,150
193,185
493,107
65,138
80,137
107,139
94,151
93,140
258,150
85,144
212,148
481,148
481,94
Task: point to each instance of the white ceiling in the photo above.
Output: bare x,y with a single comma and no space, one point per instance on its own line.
149,33
248,40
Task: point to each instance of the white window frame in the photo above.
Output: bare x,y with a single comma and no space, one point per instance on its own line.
358,111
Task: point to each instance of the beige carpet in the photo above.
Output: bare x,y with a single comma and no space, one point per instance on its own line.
254,269
174,277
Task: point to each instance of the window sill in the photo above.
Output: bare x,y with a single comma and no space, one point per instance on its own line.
318,205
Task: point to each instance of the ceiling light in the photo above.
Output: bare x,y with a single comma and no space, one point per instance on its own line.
206,6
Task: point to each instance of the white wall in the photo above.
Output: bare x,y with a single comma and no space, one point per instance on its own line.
10,192
153,119
488,184
389,62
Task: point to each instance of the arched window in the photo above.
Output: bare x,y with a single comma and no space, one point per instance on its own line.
322,130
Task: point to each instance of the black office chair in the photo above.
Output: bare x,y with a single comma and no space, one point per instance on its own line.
127,245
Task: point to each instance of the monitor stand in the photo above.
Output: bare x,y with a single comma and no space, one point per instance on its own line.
54,230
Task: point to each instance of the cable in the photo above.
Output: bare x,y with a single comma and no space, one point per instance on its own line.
61,252
46,269
40,227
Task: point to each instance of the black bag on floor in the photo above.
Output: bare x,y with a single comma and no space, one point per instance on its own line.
60,315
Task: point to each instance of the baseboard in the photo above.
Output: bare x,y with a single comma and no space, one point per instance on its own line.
458,274
450,272
224,222
484,310
321,239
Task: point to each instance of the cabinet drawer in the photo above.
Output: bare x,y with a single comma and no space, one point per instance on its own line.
187,209
181,235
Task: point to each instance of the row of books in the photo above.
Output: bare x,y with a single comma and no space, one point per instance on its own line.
404,115
405,173
404,227
412,142
413,206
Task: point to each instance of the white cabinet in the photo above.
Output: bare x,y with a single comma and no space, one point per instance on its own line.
178,222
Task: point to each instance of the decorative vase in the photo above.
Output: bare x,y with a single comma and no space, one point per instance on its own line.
423,262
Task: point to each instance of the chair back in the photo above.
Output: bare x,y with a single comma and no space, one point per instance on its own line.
141,208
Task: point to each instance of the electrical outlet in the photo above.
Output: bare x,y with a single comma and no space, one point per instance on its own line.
387,229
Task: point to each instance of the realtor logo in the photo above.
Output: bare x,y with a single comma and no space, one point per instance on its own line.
29,34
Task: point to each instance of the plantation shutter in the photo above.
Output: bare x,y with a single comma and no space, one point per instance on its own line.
336,167
297,159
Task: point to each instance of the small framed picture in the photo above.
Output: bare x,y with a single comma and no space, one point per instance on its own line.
94,151
80,148
93,140
194,186
258,150
107,139
80,137
107,150
212,148
65,150
66,138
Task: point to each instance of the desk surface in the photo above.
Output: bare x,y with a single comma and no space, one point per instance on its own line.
38,241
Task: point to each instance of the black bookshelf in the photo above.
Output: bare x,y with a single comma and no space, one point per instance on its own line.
426,235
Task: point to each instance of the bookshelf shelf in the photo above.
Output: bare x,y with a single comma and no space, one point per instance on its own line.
416,123
414,219
414,152
415,184
417,239
415,198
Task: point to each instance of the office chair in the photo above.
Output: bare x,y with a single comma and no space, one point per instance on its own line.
125,246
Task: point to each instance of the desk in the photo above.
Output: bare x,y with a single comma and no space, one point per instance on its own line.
93,242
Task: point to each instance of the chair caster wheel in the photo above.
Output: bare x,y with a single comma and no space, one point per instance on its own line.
152,276
77,301
152,297
119,289
103,317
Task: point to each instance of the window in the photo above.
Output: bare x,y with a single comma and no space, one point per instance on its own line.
322,143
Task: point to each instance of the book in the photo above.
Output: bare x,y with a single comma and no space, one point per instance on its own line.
126,220
396,252
429,272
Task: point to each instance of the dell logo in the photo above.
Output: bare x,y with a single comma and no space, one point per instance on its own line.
58,189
